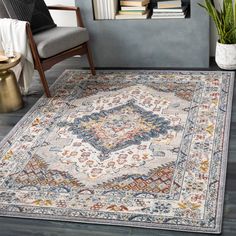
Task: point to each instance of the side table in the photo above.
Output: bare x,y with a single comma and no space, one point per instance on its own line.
10,96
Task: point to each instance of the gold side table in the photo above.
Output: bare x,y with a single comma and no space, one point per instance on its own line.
10,96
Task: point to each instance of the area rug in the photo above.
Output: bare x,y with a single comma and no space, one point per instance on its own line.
132,148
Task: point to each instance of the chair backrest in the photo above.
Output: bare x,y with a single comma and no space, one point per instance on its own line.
3,12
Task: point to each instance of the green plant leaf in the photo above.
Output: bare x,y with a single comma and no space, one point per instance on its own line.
224,19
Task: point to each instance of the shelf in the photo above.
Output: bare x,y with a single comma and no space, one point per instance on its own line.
149,43
151,5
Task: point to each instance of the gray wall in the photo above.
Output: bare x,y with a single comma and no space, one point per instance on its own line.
149,43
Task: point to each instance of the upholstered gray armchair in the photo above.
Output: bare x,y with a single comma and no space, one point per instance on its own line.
54,44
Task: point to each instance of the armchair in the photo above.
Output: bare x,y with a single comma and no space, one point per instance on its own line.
54,45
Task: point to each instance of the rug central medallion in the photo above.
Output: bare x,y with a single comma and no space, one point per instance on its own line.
119,127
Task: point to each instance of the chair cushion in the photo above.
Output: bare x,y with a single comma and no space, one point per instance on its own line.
59,39
33,11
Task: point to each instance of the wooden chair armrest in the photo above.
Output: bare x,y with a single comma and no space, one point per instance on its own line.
69,8
62,7
32,44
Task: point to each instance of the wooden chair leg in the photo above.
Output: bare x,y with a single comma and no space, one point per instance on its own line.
90,60
44,82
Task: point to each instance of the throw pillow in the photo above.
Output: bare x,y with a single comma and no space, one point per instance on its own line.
33,11
3,12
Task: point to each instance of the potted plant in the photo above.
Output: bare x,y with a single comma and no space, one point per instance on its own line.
225,21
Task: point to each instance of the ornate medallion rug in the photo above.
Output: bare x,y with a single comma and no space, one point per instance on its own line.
143,149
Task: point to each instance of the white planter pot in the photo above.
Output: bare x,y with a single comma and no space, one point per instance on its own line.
226,56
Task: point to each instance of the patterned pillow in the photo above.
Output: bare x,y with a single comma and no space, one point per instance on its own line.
33,11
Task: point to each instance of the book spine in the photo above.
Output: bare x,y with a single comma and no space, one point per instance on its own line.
114,4
95,9
131,3
109,9
104,5
102,10
99,9
133,8
168,5
108,3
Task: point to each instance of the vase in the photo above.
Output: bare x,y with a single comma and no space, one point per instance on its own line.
226,56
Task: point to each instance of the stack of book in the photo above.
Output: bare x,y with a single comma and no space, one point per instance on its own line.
105,9
169,9
133,9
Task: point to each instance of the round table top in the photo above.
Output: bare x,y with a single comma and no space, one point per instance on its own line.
10,62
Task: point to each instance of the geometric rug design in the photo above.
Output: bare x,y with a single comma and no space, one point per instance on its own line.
133,148
119,127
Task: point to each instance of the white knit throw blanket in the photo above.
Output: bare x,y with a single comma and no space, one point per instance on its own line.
13,34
